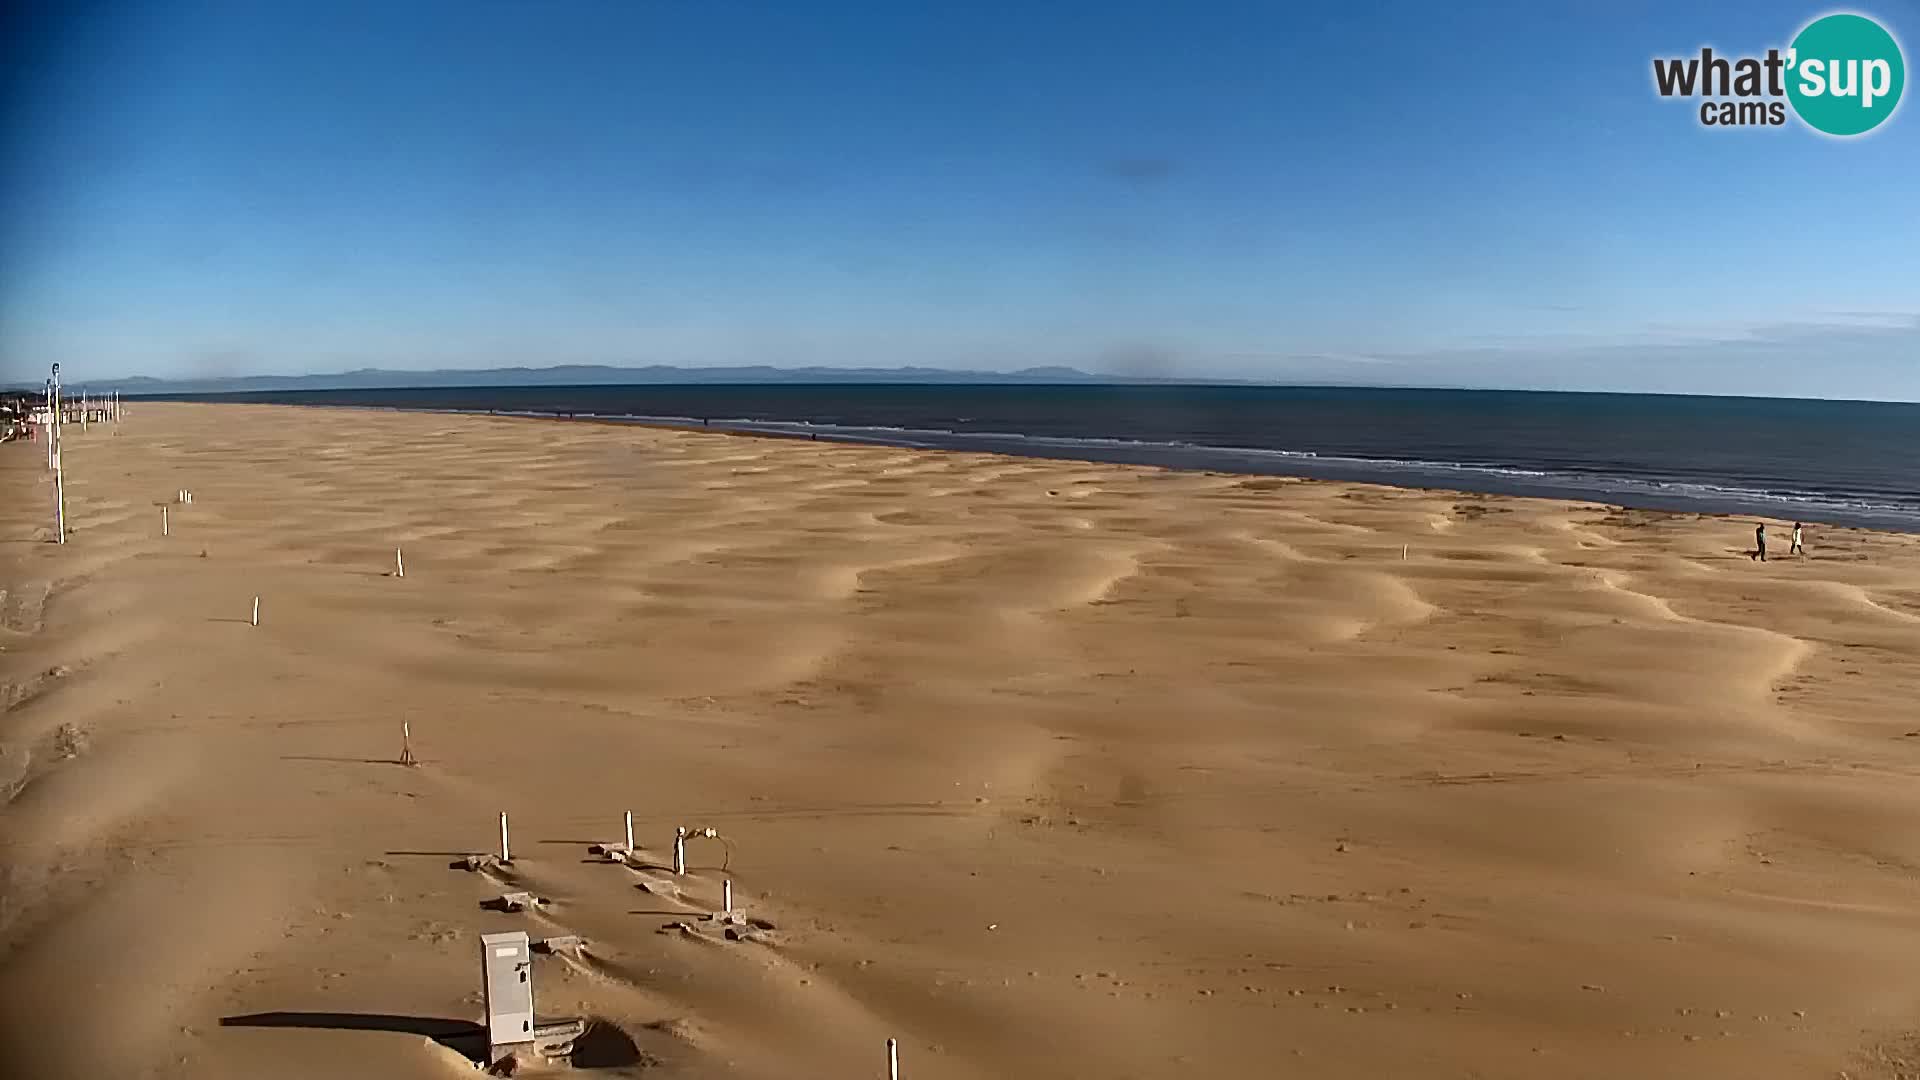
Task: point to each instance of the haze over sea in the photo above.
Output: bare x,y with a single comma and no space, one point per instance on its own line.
1838,462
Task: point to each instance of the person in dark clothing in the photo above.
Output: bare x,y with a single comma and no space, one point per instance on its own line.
1760,542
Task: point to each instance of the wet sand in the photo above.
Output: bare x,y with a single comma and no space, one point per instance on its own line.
1046,769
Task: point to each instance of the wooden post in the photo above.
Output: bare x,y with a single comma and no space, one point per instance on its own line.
893,1059
256,611
399,564
629,832
164,530
726,897
506,855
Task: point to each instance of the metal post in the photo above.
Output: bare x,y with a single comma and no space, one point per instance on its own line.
726,897
59,480
893,1059
506,855
164,531
680,850
629,831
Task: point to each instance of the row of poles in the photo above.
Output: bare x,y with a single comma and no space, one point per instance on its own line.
56,409
681,835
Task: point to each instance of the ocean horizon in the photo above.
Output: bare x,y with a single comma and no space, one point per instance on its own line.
1823,461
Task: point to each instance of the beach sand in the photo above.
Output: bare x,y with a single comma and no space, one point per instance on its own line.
1045,769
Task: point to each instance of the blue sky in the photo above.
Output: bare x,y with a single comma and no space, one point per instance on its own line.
1412,194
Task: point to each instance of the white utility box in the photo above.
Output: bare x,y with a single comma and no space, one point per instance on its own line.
506,962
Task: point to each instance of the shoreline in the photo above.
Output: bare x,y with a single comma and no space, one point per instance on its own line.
1406,476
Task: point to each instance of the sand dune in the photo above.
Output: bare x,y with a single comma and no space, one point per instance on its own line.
1046,769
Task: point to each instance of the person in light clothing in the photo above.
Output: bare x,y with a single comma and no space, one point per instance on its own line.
1797,548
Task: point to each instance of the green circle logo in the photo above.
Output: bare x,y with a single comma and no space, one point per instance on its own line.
1845,74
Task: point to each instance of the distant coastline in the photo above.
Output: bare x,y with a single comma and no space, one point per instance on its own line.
578,375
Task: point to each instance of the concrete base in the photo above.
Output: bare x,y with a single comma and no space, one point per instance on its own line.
555,1038
551,1041
560,943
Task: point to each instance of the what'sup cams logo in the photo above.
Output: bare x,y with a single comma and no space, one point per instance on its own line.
1841,76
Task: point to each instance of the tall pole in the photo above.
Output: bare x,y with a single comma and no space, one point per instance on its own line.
59,484
49,432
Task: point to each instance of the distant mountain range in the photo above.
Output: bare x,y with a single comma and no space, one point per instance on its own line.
595,375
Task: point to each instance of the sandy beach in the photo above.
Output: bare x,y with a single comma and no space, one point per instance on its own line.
1045,769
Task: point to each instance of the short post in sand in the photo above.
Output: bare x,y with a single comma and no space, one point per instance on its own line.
506,854
256,611
399,564
1403,553
726,897
629,832
164,529
406,744
893,1059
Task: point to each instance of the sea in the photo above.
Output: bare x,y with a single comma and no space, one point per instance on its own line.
1835,462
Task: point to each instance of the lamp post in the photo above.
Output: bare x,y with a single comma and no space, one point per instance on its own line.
59,483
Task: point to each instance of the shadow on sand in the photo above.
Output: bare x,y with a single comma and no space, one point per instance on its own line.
602,1045
461,1036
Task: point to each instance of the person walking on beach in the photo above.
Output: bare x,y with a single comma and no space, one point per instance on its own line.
1797,548
1760,542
